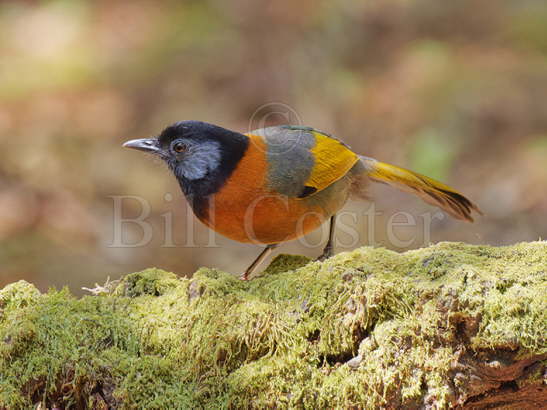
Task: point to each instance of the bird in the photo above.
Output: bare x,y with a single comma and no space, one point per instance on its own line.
278,183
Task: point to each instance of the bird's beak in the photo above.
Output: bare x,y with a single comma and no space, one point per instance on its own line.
144,144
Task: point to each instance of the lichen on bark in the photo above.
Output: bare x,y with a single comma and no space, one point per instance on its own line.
451,325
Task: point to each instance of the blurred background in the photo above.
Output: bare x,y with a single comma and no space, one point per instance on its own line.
455,90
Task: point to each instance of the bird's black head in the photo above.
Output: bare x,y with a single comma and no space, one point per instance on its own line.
201,155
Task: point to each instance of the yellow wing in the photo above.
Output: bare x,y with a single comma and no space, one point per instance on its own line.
332,161
301,160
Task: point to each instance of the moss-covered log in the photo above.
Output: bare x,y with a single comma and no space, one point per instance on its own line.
448,326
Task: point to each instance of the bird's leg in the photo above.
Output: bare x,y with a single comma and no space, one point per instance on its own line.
263,255
329,248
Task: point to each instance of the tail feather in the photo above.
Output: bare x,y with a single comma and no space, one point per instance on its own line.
431,191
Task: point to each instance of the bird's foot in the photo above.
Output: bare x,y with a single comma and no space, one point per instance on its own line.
328,252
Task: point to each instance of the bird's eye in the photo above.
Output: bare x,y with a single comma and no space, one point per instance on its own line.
180,147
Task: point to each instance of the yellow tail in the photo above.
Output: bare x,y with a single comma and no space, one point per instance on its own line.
431,191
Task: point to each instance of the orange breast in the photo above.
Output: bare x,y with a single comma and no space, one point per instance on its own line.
245,210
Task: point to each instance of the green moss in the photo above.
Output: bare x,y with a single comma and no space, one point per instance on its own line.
152,281
285,263
284,339
18,294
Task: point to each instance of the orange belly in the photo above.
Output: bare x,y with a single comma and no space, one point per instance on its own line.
263,218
